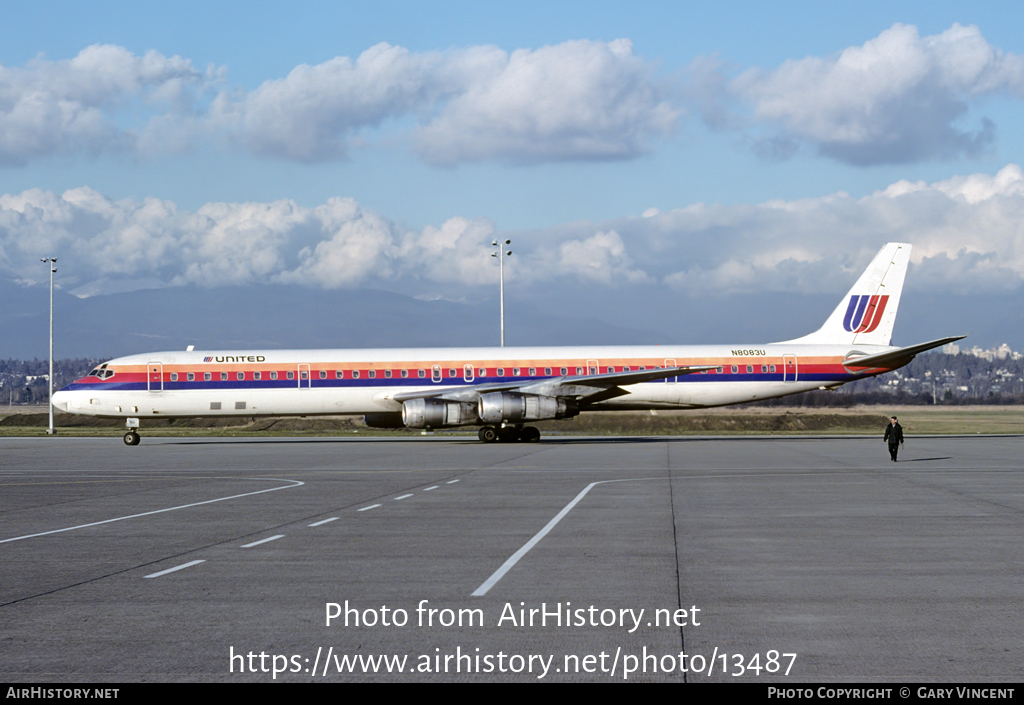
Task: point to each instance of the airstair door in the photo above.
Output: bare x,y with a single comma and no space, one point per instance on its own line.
789,368
155,376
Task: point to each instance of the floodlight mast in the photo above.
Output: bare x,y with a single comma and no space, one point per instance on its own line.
501,254
51,264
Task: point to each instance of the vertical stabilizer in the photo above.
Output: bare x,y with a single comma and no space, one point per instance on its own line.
867,313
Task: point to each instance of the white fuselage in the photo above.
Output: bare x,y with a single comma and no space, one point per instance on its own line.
318,382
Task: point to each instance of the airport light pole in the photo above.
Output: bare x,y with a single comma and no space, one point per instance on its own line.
501,254
51,264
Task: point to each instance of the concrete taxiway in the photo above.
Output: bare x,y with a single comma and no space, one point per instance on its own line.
670,559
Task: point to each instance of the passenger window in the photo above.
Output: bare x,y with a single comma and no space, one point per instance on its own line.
257,375
273,375
565,370
764,368
735,369
291,375
421,373
372,374
500,372
223,376
387,373
515,371
547,371
405,373
191,376
355,374
339,374
323,374
750,368
533,371
241,376
453,372
207,376
174,376
771,369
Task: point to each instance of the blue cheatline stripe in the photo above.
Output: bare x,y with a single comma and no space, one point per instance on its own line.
257,385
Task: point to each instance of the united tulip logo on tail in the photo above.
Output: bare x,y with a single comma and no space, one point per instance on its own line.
864,313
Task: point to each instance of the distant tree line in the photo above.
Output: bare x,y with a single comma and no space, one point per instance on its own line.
934,378
24,381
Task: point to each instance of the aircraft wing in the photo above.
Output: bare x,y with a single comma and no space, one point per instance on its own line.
577,386
897,357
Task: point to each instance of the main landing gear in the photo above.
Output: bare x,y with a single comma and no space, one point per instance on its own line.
509,434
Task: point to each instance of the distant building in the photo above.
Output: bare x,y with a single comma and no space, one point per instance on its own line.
1003,352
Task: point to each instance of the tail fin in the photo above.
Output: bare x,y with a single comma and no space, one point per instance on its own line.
867,313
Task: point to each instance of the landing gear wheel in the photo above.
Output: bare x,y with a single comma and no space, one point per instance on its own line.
530,434
488,434
508,434
132,438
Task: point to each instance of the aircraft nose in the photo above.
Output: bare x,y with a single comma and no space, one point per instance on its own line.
60,400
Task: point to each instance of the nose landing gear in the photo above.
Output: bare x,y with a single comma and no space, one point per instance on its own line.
132,437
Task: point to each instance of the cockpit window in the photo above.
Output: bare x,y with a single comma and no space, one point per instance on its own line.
101,372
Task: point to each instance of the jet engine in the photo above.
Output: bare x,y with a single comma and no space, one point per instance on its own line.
391,419
513,407
437,413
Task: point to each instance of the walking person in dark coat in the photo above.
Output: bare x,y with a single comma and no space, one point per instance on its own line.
894,437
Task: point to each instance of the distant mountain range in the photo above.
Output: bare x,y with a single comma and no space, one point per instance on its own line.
270,316
278,316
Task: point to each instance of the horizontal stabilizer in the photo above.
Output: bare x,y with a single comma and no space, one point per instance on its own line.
898,357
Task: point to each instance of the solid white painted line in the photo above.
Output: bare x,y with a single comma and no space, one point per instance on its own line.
372,506
295,483
514,558
427,489
171,570
257,543
325,521
451,482
403,497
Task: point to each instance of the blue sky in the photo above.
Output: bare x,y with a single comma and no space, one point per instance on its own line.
733,147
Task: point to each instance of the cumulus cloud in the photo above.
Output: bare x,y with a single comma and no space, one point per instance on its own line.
973,221
967,233
313,113
66,107
337,244
580,100
897,98
577,100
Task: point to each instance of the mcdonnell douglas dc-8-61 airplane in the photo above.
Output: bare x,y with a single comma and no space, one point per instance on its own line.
499,389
